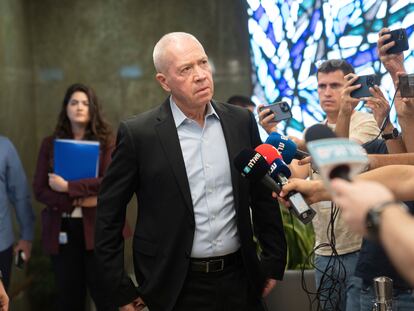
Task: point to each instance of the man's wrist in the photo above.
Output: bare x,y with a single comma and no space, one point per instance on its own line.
374,216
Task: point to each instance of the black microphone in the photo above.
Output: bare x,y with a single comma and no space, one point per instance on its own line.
254,166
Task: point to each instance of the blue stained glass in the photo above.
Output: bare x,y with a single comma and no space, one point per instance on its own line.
302,38
271,35
315,18
257,15
297,48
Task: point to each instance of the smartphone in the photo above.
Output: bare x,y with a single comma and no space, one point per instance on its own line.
406,85
401,41
366,82
281,111
19,259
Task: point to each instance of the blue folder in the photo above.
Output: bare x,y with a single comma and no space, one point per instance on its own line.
76,159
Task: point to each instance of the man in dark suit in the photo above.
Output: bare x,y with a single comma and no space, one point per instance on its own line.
193,242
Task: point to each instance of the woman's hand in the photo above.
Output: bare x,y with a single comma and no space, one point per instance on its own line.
57,183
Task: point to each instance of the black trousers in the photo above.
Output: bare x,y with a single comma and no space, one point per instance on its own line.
226,290
76,270
6,258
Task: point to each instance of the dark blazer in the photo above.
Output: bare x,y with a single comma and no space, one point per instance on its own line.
148,161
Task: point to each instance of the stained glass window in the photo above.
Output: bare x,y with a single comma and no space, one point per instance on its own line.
288,38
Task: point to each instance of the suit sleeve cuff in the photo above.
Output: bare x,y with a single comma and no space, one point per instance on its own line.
127,292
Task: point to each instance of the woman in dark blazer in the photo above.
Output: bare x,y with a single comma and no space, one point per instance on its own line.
68,220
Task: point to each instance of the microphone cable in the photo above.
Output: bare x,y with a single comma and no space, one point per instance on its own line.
328,294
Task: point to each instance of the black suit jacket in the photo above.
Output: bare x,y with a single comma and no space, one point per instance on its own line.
148,162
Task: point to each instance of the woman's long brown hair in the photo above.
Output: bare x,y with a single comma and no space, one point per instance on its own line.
97,129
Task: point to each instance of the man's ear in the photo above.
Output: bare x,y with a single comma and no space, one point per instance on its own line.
163,81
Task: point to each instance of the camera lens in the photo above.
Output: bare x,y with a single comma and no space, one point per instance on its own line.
284,107
370,81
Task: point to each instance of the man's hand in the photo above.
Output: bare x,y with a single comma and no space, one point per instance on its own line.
137,305
356,198
26,247
57,183
265,119
312,191
392,62
378,104
349,103
270,284
4,299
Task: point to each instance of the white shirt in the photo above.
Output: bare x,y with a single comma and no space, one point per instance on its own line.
208,171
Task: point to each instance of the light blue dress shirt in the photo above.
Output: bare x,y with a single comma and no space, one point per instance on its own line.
208,171
14,191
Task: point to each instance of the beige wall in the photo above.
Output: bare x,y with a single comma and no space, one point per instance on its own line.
47,45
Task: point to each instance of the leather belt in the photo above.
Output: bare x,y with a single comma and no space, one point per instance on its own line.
214,264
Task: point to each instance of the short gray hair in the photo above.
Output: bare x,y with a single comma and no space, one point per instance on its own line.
161,47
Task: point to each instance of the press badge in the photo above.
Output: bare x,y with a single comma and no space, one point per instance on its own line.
63,238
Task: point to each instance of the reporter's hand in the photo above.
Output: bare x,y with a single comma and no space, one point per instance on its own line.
392,62
349,103
57,183
265,119
312,191
378,104
304,161
356,198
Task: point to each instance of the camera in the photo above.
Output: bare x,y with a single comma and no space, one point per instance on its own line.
406,85
366,82
401,41
281,111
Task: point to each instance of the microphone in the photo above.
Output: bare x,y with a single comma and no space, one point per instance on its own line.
334,157
280,172
286,147
253,166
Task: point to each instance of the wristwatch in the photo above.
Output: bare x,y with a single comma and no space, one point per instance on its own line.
373,218
393,135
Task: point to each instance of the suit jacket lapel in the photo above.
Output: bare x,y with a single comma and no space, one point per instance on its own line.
233,146
167,133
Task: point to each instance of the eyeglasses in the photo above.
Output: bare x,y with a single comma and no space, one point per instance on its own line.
335,63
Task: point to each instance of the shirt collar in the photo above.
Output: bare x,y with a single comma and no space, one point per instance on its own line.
180,117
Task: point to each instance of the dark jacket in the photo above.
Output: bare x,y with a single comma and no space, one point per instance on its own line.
58,203
148,162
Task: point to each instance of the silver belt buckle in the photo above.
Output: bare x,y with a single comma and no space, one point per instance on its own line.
214,261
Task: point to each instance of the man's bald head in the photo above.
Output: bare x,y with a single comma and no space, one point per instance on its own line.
165,44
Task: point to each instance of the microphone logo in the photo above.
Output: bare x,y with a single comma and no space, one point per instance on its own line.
251,163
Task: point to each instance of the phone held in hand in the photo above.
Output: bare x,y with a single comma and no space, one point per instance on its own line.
406,85
281,111
366,82
19,259
401,41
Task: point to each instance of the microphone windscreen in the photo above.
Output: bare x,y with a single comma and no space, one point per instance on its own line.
318,131
251,164
269,152
279,167
284,145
